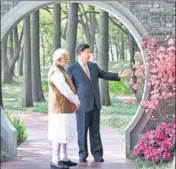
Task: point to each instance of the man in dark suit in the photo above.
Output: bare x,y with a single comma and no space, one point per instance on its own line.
85,76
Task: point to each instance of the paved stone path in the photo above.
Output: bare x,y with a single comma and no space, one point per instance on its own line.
35,152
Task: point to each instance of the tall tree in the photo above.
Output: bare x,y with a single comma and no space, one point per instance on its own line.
43,47
11,44
131,49
4,63
1,66
103,52
71,34
1,102
9,64
21,62
89,24
27,95
12,49
122,52
57,26
37,93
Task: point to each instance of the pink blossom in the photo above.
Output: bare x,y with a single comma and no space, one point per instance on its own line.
172,48
135,86
169,95
161,72
162,49
171,42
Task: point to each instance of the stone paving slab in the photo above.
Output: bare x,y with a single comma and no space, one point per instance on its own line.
35,152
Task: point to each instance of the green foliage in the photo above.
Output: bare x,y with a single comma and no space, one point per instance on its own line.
119,87
45,86
140,164
4,155
19,126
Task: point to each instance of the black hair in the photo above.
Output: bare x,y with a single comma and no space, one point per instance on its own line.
82,47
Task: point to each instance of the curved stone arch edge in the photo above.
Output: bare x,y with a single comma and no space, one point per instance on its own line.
17,13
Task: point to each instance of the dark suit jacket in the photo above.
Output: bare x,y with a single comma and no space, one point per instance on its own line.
88,90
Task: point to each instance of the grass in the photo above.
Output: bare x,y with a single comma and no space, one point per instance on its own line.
120,87
12,94
118,115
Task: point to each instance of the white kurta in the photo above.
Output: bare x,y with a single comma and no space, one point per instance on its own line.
62,127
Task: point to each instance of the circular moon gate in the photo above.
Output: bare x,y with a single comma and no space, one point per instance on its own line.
24,8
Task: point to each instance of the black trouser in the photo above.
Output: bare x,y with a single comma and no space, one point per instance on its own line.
89,120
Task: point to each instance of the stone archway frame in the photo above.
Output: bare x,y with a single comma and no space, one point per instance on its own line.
17,13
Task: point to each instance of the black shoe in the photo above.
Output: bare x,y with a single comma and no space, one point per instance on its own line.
83,160
69,163
60,165
100,159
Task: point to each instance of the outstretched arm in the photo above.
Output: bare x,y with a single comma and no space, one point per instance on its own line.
107,75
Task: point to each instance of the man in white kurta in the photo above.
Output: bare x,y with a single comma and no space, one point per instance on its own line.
62,126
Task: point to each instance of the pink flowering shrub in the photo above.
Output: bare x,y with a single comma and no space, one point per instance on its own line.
161,68
157,145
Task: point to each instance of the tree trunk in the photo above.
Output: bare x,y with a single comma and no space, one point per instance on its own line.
8,65
131,49
12,48
96,48
17,50
93,25
122,54
21,62
1,100
57,26
11,44
103,53
6,76
89,26
71,34
43,48
116,58
111,51
27,97
37,93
